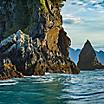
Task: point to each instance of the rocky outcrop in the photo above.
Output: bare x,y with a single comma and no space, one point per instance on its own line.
88,59
31,57
44,47
8,70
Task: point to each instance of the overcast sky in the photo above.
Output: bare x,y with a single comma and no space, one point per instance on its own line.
84,19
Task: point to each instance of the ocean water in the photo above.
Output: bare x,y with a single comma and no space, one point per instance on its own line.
85,88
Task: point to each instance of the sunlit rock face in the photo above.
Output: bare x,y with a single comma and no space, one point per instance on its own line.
8,70
43,44
88,59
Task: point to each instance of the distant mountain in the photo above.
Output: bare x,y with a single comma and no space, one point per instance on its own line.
100,56
74,55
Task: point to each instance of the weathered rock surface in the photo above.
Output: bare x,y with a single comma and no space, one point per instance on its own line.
88,59
31,57
44,47
8,70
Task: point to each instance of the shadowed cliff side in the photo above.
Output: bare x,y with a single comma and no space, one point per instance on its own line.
45,49
88,59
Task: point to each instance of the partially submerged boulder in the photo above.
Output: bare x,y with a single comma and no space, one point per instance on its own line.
88,59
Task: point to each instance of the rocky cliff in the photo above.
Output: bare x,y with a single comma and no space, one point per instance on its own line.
44,47
88,59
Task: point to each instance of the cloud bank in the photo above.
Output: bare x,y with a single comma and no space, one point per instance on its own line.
84,19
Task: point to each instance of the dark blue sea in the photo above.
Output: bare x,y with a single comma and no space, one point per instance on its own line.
85,88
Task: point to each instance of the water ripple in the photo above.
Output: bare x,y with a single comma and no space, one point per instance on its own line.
85,88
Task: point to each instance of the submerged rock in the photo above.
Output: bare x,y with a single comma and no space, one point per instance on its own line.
44,47
88,59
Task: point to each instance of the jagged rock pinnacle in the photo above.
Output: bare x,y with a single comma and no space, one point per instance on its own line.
87,58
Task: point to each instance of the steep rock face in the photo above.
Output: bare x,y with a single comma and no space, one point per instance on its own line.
46,46
40,19
88,59
32,16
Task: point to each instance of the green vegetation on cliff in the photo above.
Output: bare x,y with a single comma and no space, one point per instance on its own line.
43,5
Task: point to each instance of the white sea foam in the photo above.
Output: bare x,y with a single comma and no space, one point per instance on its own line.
47,73
40,79
33,76
9,80
43,81
8,84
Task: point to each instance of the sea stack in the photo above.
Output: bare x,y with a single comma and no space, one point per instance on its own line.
88,59
33,38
